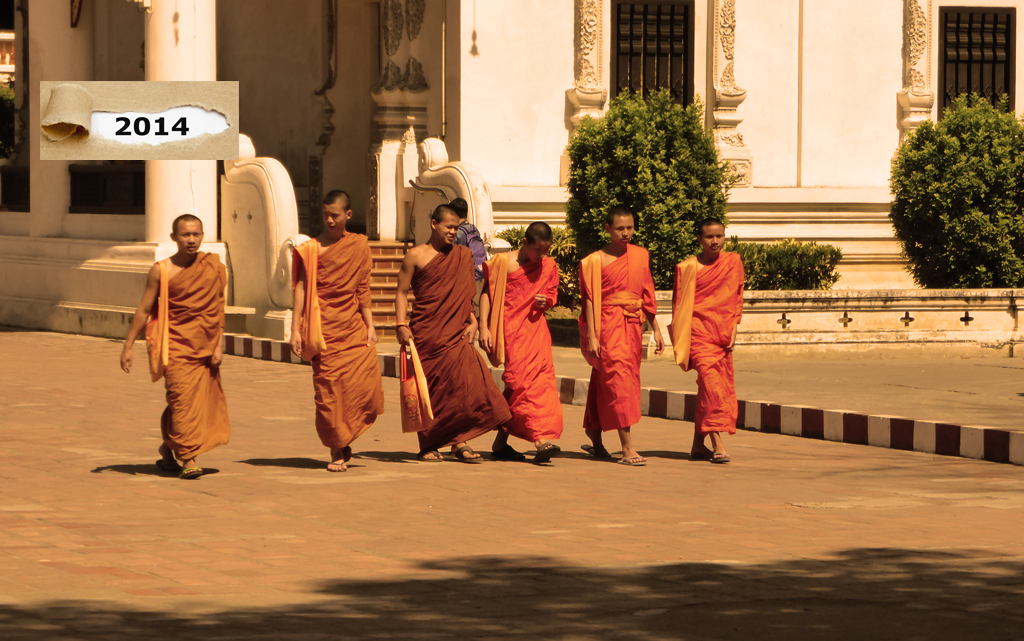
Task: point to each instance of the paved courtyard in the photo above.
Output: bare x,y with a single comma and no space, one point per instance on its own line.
796,539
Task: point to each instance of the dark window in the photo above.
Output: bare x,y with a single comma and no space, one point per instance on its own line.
654,49
6,15
977,53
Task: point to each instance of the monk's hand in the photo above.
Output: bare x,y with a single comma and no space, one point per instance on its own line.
659,342
126,359
371,336
467,334
540,301
216,358
296,343
486,340
594,347
732,342
404,335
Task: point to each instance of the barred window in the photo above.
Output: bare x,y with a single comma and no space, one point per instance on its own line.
977,53
654,49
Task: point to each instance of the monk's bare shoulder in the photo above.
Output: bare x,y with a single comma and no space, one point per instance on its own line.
418,257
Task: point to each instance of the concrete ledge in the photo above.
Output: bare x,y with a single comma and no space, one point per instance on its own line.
994,445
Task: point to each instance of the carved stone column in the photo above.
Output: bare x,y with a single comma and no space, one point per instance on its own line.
587,96
728,96
400,120
917,98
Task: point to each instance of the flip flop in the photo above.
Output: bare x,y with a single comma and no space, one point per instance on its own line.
602,453
422,456
701,456
720,457
191,473
633,461
546,452
508,453
461,453
168,465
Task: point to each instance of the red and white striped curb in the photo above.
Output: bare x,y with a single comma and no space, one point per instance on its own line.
996,445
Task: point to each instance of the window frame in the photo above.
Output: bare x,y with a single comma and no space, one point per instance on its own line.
688,54
1011,62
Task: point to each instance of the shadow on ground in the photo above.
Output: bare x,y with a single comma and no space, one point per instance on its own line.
860,594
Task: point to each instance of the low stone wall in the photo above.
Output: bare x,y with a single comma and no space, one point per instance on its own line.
873,323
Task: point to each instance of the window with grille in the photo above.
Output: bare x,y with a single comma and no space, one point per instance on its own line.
977,53
654,49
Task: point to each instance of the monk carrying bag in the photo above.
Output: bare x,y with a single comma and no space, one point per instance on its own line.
416,410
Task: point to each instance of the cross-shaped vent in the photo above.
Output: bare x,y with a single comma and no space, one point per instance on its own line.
846,320
907,319
784,321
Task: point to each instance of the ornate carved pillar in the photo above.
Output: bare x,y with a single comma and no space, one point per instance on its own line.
917,98
400,120
587,96
728,96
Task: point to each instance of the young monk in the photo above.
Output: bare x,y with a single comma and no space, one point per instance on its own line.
618,295
185,296
707,304
465,400
518,288
332,326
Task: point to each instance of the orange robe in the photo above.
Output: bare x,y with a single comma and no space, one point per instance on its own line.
464,397
196,418
525,345
347,388
623,297
707,303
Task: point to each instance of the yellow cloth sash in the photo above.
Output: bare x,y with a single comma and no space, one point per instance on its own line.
312,335
158,332
682,310
590,274
631,304
497,279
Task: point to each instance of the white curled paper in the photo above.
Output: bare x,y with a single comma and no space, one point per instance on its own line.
68,114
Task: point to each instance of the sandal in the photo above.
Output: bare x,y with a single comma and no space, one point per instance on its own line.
597,452
168,465
633,461
430,456
701,456
720,457
546,452
190,473
507,453
464,453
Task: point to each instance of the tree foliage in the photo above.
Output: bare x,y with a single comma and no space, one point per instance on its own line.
6,120
656,158
957,190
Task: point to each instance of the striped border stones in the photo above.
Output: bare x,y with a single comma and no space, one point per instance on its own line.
997,446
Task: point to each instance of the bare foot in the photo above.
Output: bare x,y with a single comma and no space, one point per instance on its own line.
347,453
338,460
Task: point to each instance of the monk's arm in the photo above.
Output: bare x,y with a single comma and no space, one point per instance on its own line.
141,316
298,305
402,297
365,302
593,340
486,340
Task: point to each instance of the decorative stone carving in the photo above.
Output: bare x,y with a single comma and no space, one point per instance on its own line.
414,10
728,95
414,80
391,24
917,97
587,96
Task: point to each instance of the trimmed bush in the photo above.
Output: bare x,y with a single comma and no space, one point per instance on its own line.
6,120
656,158
563,251
787,264
957,191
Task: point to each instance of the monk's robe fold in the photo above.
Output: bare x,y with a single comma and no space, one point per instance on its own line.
196,418
465,400
715,295
625,299
525,346
347,388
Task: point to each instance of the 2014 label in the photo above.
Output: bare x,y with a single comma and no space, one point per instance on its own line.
141,126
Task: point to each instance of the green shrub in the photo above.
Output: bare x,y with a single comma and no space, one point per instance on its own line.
787,264
656,158
563,251
957,190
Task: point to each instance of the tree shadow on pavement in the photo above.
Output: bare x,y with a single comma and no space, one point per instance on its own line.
859,594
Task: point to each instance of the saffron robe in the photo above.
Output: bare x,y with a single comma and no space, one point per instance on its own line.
523,345
347,387
707,304
464,397
623,297
192,319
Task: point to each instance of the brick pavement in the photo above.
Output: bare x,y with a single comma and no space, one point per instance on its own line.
795,539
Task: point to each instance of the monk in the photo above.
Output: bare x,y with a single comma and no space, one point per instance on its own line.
519,287
332,326
707,305
185,298
618,296
465,400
